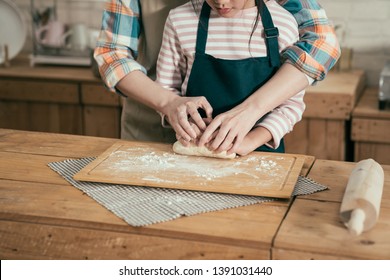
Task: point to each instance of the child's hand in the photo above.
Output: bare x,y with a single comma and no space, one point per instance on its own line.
227,131
257,137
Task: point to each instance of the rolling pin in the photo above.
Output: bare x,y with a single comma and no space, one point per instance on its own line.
362,198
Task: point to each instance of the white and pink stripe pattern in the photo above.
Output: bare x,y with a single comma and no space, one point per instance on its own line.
228,38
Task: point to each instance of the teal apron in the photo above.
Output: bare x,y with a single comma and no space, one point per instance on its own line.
227,83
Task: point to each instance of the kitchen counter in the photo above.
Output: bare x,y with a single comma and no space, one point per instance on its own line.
43,217
57,99
71,100
20,68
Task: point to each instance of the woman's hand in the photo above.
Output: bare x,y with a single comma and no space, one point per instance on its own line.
227,131
198,132
179,112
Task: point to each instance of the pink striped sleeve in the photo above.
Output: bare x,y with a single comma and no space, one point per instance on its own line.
170,62
282,119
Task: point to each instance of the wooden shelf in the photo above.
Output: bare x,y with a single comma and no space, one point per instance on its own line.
57,99
371,129
324,129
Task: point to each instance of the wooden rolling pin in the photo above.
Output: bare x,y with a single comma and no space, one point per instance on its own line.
362,198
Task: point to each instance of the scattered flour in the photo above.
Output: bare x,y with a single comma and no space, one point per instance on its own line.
145,163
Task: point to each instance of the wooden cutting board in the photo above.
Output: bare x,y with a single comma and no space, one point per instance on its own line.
156,165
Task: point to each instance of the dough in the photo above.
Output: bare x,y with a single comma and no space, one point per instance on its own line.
193,150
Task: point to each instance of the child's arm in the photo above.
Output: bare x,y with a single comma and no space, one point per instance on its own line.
257,137
283,118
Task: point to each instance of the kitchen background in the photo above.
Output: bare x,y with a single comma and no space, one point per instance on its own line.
342,120
361,26
88,12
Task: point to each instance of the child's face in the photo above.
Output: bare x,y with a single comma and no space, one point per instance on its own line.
229,8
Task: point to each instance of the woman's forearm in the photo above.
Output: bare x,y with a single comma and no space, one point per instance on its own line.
140,87
175,108
287,82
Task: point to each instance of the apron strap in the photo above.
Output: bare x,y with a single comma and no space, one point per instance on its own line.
271,33
203,27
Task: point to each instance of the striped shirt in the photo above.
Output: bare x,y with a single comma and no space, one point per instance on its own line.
228,38
117,47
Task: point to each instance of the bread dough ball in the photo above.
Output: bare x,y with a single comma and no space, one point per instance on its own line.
194,150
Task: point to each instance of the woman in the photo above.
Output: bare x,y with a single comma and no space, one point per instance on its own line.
128,47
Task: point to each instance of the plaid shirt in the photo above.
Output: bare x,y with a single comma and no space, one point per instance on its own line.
116,49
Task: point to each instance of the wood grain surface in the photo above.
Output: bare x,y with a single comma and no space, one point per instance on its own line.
313,229
43,217
156,165
315,226
336,96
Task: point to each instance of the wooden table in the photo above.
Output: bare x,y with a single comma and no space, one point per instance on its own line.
44,217
313,230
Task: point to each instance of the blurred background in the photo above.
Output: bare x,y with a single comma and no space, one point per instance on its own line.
362,26
46,82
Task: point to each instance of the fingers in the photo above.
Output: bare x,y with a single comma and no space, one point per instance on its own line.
218,135
181,125
192,109
197,131
207,120
209,132
185,125
223,143
181,134
185,142
196,117
235,145
205,105
188,109
221,136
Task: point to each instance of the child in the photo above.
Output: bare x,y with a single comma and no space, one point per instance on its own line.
226,51
127,51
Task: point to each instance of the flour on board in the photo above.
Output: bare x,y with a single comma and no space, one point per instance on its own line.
157,167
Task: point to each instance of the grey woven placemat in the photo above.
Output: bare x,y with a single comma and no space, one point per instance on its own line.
141,206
